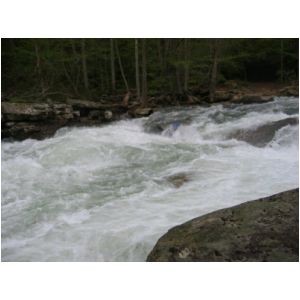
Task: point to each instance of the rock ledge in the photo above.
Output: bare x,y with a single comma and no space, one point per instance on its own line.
262,230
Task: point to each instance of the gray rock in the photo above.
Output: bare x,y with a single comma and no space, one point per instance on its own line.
108,115
95,114
223,96
33,120
262,230
35,111
143,112
178,179
250,99
76,114
290,91
262,135
26,111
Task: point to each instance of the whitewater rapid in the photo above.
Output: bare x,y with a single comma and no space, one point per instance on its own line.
103,194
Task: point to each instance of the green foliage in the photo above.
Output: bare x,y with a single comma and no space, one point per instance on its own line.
53,67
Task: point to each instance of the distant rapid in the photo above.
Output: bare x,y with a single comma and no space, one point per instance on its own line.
105,194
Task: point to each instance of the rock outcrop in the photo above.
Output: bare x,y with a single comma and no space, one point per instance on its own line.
33,120
40,120
262,230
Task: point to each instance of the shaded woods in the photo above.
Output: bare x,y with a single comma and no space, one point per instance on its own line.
89,68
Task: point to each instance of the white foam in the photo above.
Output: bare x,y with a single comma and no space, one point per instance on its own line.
101,193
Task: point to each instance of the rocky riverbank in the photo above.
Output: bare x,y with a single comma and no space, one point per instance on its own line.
262,230
39,120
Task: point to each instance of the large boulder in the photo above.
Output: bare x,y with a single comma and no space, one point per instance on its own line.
264,134
262,230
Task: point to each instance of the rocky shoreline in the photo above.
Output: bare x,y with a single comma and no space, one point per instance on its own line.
266,229
39,120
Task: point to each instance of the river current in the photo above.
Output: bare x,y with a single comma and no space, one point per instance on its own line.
105,194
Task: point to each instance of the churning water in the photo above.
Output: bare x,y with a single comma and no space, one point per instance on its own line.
105,194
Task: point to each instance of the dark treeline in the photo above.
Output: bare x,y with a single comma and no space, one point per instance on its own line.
91,68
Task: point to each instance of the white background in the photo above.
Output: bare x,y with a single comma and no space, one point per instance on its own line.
152,18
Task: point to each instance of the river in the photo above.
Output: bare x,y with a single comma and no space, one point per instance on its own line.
105,194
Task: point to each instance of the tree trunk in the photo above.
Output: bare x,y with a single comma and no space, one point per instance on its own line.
69,78
38,66
186,64
178,81
137,73
112,65
106,73
121,67
126,99
144,73
84,66
214,71
281,61
77,63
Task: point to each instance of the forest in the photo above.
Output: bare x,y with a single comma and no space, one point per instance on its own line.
90,68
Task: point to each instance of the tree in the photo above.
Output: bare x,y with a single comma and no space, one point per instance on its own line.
186,63
137,74
281,61
144,73
84,66
41,68
121,67
38,66
112,66
215,48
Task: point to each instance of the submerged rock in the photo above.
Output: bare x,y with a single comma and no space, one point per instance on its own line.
264,134
262,230
178,179
159,121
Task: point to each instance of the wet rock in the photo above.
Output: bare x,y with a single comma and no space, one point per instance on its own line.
262,230
108,115
290,91
33,130
79,104
251,99
221,96
264,134
76,114
33,120
62,111
158,122
95,114
40,120
143,112
178,179
9,124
